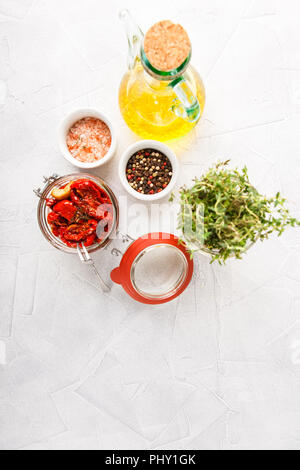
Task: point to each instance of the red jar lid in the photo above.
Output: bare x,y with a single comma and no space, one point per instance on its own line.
155,269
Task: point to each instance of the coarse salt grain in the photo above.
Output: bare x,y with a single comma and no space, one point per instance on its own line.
167,45
89,140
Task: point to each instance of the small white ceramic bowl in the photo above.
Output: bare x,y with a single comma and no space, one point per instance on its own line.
148,144
68,122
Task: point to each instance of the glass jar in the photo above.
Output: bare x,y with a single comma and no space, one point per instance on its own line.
155,269
43,211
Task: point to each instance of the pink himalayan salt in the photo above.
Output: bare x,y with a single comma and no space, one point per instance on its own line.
89,140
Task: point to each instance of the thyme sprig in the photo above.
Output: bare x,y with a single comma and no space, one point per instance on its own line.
234,216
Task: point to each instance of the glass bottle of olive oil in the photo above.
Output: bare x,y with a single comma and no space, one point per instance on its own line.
158,104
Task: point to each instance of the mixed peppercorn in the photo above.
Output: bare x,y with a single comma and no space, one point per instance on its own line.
149,171
81,212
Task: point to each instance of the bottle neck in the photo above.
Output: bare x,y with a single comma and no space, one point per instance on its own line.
155,83
160,75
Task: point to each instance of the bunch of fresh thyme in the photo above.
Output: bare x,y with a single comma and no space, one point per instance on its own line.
234,213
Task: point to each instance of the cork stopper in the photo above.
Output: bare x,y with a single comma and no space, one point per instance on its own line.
166,45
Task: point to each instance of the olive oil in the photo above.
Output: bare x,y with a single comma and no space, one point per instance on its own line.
147,104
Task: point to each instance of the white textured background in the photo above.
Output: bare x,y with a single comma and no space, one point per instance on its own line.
218,368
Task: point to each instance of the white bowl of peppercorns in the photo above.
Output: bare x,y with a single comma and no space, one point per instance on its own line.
148,170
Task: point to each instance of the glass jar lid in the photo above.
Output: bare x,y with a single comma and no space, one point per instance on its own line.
159,271
156,268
